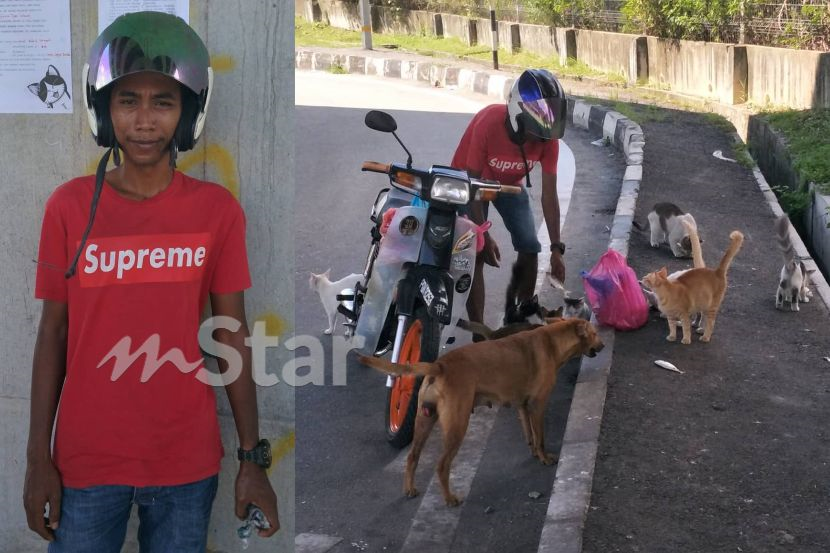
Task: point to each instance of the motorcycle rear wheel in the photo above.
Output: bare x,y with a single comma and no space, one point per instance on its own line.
422,341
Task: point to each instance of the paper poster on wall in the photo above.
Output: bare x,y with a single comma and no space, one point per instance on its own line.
35,57
109,10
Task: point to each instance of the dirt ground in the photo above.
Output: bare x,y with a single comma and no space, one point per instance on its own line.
733,454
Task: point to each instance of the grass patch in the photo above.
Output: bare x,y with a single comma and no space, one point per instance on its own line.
719,121
337,69
741,152
320,34
807,135
639,113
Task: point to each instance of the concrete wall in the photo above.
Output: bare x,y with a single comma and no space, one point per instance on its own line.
457,26
389,20
344,15
609,52
539,39
794,78
247,146
701,68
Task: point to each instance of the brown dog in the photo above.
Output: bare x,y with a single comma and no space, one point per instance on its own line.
520,369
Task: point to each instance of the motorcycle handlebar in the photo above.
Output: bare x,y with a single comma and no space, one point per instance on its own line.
376,167
494,187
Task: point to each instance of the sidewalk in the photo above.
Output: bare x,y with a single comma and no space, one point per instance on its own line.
732,454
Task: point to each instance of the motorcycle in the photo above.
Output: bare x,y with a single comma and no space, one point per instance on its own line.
418,272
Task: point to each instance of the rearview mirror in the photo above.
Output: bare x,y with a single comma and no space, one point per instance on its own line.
381,121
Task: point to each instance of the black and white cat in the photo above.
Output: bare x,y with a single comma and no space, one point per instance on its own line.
794,282
51,87
328,290
665,223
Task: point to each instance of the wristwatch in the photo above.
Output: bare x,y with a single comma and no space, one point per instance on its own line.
260,455
558,246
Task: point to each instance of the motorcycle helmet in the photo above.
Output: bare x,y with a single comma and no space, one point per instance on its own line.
133,43
148,41
537,106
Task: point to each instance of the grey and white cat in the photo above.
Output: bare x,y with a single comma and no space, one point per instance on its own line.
576,308
666,226
328,290
794,282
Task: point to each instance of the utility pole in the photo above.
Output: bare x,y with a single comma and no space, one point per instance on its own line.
494,28
366,24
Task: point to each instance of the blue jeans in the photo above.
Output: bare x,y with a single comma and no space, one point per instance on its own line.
172,519
517,215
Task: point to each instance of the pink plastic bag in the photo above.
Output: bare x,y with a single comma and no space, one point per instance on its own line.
614,293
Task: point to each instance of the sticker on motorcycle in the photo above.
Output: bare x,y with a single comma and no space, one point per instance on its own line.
467,239
463,284
426,292
409,225
461,263
440,308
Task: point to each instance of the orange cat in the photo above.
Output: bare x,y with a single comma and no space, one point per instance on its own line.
695,290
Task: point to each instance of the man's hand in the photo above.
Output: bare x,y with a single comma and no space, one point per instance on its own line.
253,486
41,487
557,267
491,253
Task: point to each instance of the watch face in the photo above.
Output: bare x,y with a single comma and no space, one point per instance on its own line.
264,448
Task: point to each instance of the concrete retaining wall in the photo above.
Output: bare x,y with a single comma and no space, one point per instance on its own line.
343,15
390,20
704,69
539,39
794,78
458,26
609,52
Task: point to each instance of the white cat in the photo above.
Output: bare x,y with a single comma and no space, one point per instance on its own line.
666,225
794,282
328,290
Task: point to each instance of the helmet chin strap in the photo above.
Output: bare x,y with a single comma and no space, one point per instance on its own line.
99,185
519,138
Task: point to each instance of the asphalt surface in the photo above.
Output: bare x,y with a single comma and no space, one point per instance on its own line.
348,478
732,455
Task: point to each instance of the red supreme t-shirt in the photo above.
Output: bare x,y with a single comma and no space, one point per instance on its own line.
485,147
133,409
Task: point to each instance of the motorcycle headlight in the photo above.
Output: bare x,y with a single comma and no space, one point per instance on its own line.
454,191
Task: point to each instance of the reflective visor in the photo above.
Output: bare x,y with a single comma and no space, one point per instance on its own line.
539,117
149,41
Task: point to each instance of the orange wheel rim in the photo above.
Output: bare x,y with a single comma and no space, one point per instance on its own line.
404,385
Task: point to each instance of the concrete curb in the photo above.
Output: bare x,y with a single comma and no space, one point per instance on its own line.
571,495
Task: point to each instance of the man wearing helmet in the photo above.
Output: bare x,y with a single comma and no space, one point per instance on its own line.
119,349
503,143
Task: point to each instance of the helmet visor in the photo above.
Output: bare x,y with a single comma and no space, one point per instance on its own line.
149,41
541,114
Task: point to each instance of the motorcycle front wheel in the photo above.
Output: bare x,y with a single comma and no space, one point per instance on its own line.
421,343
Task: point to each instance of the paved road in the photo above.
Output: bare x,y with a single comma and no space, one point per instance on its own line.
348,478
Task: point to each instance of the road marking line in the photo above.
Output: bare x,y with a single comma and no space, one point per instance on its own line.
314,543
433,526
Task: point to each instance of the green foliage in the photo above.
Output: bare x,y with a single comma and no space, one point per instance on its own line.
682,19
793,202
742,155
806,132
337,69
564,13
